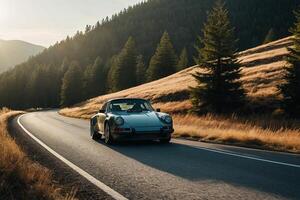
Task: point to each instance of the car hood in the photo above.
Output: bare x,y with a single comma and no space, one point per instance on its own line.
143,119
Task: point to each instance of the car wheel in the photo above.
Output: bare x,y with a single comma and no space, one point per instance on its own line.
94,134
165,141
108,138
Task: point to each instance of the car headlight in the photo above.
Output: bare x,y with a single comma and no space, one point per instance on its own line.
166,118
119,121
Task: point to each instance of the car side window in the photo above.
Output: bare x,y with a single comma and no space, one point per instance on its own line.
109,107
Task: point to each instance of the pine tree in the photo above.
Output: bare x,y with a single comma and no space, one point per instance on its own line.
110,67
270,36
123,75
163,63
99,77
65,65
291,88
87,88
140,70
94,79
71,86
218,89
88,28
183,60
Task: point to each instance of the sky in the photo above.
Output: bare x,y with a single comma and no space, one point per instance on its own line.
44,22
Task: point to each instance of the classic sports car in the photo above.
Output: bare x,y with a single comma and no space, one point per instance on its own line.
131,119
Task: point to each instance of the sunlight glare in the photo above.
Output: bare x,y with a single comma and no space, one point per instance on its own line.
4,10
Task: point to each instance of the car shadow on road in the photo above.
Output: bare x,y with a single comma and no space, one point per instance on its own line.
196,164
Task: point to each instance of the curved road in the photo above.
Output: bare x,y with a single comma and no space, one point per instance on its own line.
180,170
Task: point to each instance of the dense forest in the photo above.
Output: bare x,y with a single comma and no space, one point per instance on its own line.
140,34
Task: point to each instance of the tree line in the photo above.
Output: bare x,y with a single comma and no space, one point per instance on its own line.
49,86
127,69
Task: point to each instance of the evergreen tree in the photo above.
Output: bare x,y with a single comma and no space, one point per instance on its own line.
88,28
140,70
87,87
291,89
183,60
218,89
64,66
94,79
98,77
110,68
163,63
71,85
270,36
38,91
52,85
123,75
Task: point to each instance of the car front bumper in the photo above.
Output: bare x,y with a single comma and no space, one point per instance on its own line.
142,135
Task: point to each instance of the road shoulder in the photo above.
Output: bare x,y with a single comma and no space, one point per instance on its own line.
62,173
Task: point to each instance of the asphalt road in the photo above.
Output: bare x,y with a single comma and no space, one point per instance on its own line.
181,170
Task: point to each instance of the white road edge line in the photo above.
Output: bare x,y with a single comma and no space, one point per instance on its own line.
83,173
247,157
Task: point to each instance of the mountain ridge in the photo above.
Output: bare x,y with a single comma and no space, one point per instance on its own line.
14,52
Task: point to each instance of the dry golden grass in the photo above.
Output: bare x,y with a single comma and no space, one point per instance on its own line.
21,178
261,73
255,132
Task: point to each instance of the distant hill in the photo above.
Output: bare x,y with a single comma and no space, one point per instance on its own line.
14,52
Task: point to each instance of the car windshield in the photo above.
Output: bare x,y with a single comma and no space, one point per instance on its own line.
130,105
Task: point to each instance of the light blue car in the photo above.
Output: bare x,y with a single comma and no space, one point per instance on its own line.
131,120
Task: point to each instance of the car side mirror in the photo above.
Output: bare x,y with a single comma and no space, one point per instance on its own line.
101,111
158,110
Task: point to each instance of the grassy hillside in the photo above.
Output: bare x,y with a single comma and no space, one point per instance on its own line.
262,72
14,52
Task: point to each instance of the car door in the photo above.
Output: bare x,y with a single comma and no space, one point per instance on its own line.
102,117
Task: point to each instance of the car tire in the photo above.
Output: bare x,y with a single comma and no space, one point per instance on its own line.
165,141
107,135
94,134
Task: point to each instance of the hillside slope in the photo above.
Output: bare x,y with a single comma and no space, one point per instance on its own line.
14,52
262,72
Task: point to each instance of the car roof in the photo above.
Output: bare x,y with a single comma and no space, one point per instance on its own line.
116,99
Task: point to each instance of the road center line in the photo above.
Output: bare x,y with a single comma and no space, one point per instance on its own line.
246,157
83,173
